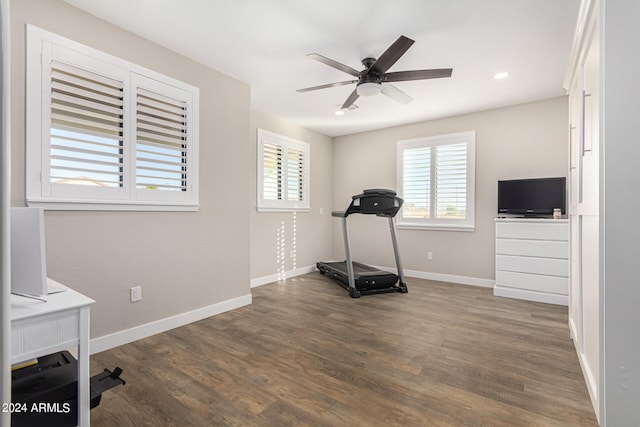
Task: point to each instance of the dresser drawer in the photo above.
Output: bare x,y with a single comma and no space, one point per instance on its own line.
543,266
532,282
534,231
534,248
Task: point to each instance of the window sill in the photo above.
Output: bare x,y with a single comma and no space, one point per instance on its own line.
261,209
436,227
104,205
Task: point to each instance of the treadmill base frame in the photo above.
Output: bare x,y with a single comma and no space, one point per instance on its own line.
357,292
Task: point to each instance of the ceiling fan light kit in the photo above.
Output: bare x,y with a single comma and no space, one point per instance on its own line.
369,89
374,79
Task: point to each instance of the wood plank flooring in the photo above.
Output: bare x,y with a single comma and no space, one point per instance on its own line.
306,354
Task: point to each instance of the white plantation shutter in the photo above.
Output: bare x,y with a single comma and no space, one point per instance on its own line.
295,174
283,173
451,181
86,134
272,171
416,182
106,134
436,180
161,142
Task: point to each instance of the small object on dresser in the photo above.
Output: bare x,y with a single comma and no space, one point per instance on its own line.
557,213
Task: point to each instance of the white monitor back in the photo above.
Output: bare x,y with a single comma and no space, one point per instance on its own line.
28,255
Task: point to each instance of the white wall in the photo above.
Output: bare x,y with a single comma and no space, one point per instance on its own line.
275,235
620,202
183,261
522,141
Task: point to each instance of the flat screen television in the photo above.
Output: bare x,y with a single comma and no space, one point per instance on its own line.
532,197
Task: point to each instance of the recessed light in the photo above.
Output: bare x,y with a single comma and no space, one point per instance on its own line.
501,75
340,112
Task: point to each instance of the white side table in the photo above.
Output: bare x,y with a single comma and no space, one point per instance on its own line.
40,328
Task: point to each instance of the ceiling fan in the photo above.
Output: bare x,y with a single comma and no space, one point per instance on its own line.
374,79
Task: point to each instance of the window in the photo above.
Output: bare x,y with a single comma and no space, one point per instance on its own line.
103,133
436,180
283,173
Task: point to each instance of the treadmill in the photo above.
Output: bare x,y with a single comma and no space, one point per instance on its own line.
360,279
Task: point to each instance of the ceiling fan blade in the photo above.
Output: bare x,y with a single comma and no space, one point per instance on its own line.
307,89
396,94
403,76
351,99
391,55
334,64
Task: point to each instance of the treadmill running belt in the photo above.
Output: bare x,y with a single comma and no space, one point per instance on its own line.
366,277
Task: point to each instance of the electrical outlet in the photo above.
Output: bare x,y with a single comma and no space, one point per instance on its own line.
429,256
136,293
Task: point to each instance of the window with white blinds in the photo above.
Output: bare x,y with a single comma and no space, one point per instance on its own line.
161,142
103,133
436,179
86,133
296,175
283,173
272,169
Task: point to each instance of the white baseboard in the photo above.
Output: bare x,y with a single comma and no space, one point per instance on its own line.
116,339
573,331
264,280
441,277
592,385
502,291
451,278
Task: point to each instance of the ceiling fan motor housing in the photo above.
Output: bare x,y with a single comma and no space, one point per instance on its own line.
369,82
368,75
368,78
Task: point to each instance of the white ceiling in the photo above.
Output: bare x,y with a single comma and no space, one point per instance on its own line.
265,42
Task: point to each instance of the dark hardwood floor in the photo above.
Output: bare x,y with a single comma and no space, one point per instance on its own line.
305,353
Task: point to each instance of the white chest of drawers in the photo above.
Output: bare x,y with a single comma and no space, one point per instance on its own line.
532,259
